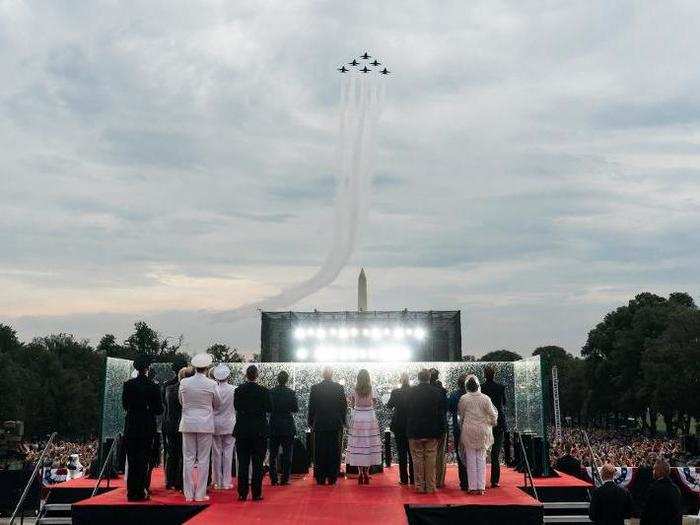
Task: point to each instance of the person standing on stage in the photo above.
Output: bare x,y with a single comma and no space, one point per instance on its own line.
452,404
171,426
364,441
282,429
440,466
497,394
398,401
327,415
198,397
172,441
252,403
425,424
224,421
142,402
477,415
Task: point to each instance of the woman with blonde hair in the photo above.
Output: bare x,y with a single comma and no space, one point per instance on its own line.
477,417
364,442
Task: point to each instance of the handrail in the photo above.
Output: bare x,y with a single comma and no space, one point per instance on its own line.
39,462
594,465
528,472
104,465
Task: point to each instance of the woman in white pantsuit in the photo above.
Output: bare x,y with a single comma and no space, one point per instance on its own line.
224,421
477,417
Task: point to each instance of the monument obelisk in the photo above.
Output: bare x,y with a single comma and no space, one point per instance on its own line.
362,292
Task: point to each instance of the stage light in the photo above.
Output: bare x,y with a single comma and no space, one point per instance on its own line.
387,331
300,333
366,332
333,331
343,333
302,354
419,333
409,331
321,333
398,333
353,332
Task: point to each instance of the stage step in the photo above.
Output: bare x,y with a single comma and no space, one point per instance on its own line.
58,507
566,505
567,520
54,520
55,514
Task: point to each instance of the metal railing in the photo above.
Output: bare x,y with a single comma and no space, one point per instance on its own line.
528,472
594,461
20,504
107,462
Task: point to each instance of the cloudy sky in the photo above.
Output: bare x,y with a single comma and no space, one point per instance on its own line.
538,162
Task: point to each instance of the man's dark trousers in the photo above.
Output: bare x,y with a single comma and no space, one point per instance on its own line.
496,455
286,443
327,455
404,457
250,450
173,461
138,451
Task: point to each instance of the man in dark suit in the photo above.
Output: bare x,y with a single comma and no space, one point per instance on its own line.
610,504
440,465
252,403
328,409
568,464
282,428
172,440
663,504
142,402
425,425
497,393
397,401
452,405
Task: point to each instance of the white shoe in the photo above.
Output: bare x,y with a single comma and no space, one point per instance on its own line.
205,498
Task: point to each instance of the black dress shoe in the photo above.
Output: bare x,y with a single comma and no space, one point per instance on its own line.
274,482
320,481
284,482
331,481
242,498
257,498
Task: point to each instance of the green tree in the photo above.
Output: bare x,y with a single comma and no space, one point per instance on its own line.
8,338
145,340
501,355
224,354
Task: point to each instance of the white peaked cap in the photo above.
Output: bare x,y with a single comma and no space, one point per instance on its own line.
202,360
134,374
221,372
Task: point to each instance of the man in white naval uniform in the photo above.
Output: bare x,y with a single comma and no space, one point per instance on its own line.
224,420
199,397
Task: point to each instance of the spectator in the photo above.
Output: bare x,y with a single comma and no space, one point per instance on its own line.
398,402
568,464
663,505
610,504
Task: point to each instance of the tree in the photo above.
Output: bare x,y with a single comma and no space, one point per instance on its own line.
224,354
110,348
468,357
145,340
8,338
501,355
553,355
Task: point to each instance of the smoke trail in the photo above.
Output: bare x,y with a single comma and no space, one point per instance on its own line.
361,101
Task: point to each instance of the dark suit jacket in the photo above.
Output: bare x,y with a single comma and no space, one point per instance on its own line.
173,409
284,403
568,464
252,403
663,504
141,400
398,401
328,406
610,505
452,406
427,406
497,393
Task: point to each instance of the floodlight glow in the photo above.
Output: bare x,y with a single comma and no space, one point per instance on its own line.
387,331
376,333
333,331
321,333
366,332
353,332
419,334
302,353
409,331
343,333
398,333
300,333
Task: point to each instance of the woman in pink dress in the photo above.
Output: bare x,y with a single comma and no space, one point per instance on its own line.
364,442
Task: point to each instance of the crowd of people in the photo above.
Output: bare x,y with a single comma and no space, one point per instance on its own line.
205,419
622,448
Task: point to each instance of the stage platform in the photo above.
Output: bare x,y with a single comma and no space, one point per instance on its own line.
383,501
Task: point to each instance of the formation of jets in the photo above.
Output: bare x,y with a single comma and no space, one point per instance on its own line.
365,69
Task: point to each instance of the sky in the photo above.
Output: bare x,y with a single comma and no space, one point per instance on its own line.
538,163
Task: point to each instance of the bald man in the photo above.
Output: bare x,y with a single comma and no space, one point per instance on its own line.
610,504
663,504
328,409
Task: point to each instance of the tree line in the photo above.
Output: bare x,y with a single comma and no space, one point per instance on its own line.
639,364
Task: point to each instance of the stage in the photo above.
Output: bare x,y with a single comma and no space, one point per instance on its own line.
383,501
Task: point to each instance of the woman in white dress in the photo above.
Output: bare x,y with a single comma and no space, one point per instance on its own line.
364,442
477,417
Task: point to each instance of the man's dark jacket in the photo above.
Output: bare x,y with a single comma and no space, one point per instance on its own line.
284,404
173,409
610,505
663,504
252,403
328,406
398,400
142,403
497,393
427,406
568,464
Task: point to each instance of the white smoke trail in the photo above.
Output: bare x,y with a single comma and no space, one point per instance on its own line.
361,102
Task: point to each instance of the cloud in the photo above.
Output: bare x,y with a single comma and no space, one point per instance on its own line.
534,162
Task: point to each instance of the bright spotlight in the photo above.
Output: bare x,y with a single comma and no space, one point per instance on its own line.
366,332
321,333
419,334
353,332
409,331
302,354
299,333
376,333
398,333
343,333
333,331
387,331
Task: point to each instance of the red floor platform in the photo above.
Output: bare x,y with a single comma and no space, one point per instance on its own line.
383,501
